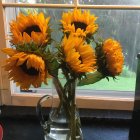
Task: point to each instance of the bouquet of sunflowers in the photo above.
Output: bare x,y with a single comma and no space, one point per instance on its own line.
31,60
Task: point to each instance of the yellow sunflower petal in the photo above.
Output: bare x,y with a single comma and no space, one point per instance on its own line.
114,56
24,26
26,70
9,51
26,38
82,21
77,58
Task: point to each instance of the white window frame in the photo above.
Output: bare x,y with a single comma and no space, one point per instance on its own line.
9,97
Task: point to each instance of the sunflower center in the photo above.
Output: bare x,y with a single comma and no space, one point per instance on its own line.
31,71
80,58
80,25
34,28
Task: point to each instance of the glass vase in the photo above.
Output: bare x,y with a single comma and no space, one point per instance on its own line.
64,120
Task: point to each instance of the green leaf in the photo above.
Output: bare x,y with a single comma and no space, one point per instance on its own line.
53,67
91,78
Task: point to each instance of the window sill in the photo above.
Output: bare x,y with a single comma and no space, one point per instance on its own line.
90,102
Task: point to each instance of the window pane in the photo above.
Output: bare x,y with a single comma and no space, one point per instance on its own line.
89,2
110,2
9,1
122,25
47,1
41,1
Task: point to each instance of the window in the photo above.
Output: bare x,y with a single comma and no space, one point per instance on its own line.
118,19
110,2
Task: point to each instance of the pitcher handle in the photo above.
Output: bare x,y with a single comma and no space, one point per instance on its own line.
45,124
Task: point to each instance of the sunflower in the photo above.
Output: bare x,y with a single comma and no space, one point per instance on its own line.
33,27
112,64
79,56
80,23
25,69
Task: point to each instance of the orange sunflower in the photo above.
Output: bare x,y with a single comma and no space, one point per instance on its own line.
25,69
30,28
81,23
79,56
112,64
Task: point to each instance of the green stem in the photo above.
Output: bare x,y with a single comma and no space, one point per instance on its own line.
73,106
58,88
67,98
62,96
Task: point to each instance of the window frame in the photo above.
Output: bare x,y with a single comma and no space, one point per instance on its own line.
8,97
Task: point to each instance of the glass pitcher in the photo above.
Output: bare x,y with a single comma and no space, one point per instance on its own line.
59,125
